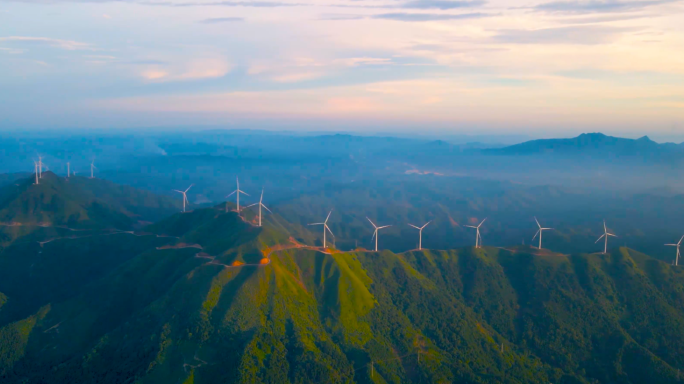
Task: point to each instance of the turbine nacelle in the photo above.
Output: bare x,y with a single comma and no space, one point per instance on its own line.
375,233
605,236
260,204
325,228
478,238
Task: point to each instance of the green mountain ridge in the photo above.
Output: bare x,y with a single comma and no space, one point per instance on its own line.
169,312
79,202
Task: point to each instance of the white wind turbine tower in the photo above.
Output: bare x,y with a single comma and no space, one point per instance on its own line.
605,236
185,196
420,234
376,234
68,169
478,239
238,191
325,227
540,231
92,167
260,205
677,245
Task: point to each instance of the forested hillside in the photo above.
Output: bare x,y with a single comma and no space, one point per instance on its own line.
79,202
217,299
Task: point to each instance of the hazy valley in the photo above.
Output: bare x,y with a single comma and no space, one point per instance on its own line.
108,283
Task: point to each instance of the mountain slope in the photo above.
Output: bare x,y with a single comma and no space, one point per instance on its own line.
79,202
191,311
594,144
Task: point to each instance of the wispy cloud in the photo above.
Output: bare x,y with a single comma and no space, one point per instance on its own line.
219,20
340,16
418,17
255,4
147,62
563,35
12,51
596,19
192,70
441,4
594,6
57,43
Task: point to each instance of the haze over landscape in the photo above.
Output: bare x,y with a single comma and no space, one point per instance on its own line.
353,191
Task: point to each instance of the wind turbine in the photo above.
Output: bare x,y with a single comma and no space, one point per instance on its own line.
325,227
420,234
478,238
540,231
605,236
376,234
35,164
92,167
677,245
185,196
68,169
238,191
260,205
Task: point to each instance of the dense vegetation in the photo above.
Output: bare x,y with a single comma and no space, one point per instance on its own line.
170,311
79,202
207,296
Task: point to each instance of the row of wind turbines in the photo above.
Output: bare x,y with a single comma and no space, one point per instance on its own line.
38,165
376,234
326,229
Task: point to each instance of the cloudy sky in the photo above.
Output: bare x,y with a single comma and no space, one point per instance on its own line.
539,67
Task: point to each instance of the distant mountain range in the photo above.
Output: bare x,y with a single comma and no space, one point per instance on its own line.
208,297
593,144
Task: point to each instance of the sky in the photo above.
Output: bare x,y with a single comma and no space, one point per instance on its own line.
544,68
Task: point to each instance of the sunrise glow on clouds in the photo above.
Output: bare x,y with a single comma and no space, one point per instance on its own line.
488,64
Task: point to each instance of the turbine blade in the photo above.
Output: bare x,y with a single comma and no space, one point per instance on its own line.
329,213
414,226
328,228
178,191
231,194
316,224
680,240
384,226
597,240
535,235
538,225
426,224
470,226
671,245
373,224
545,229
482,222
243,192
189,187
605,230
374,233
250,205
610,234
266,208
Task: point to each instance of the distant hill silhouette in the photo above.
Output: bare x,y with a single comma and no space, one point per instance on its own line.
594,144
